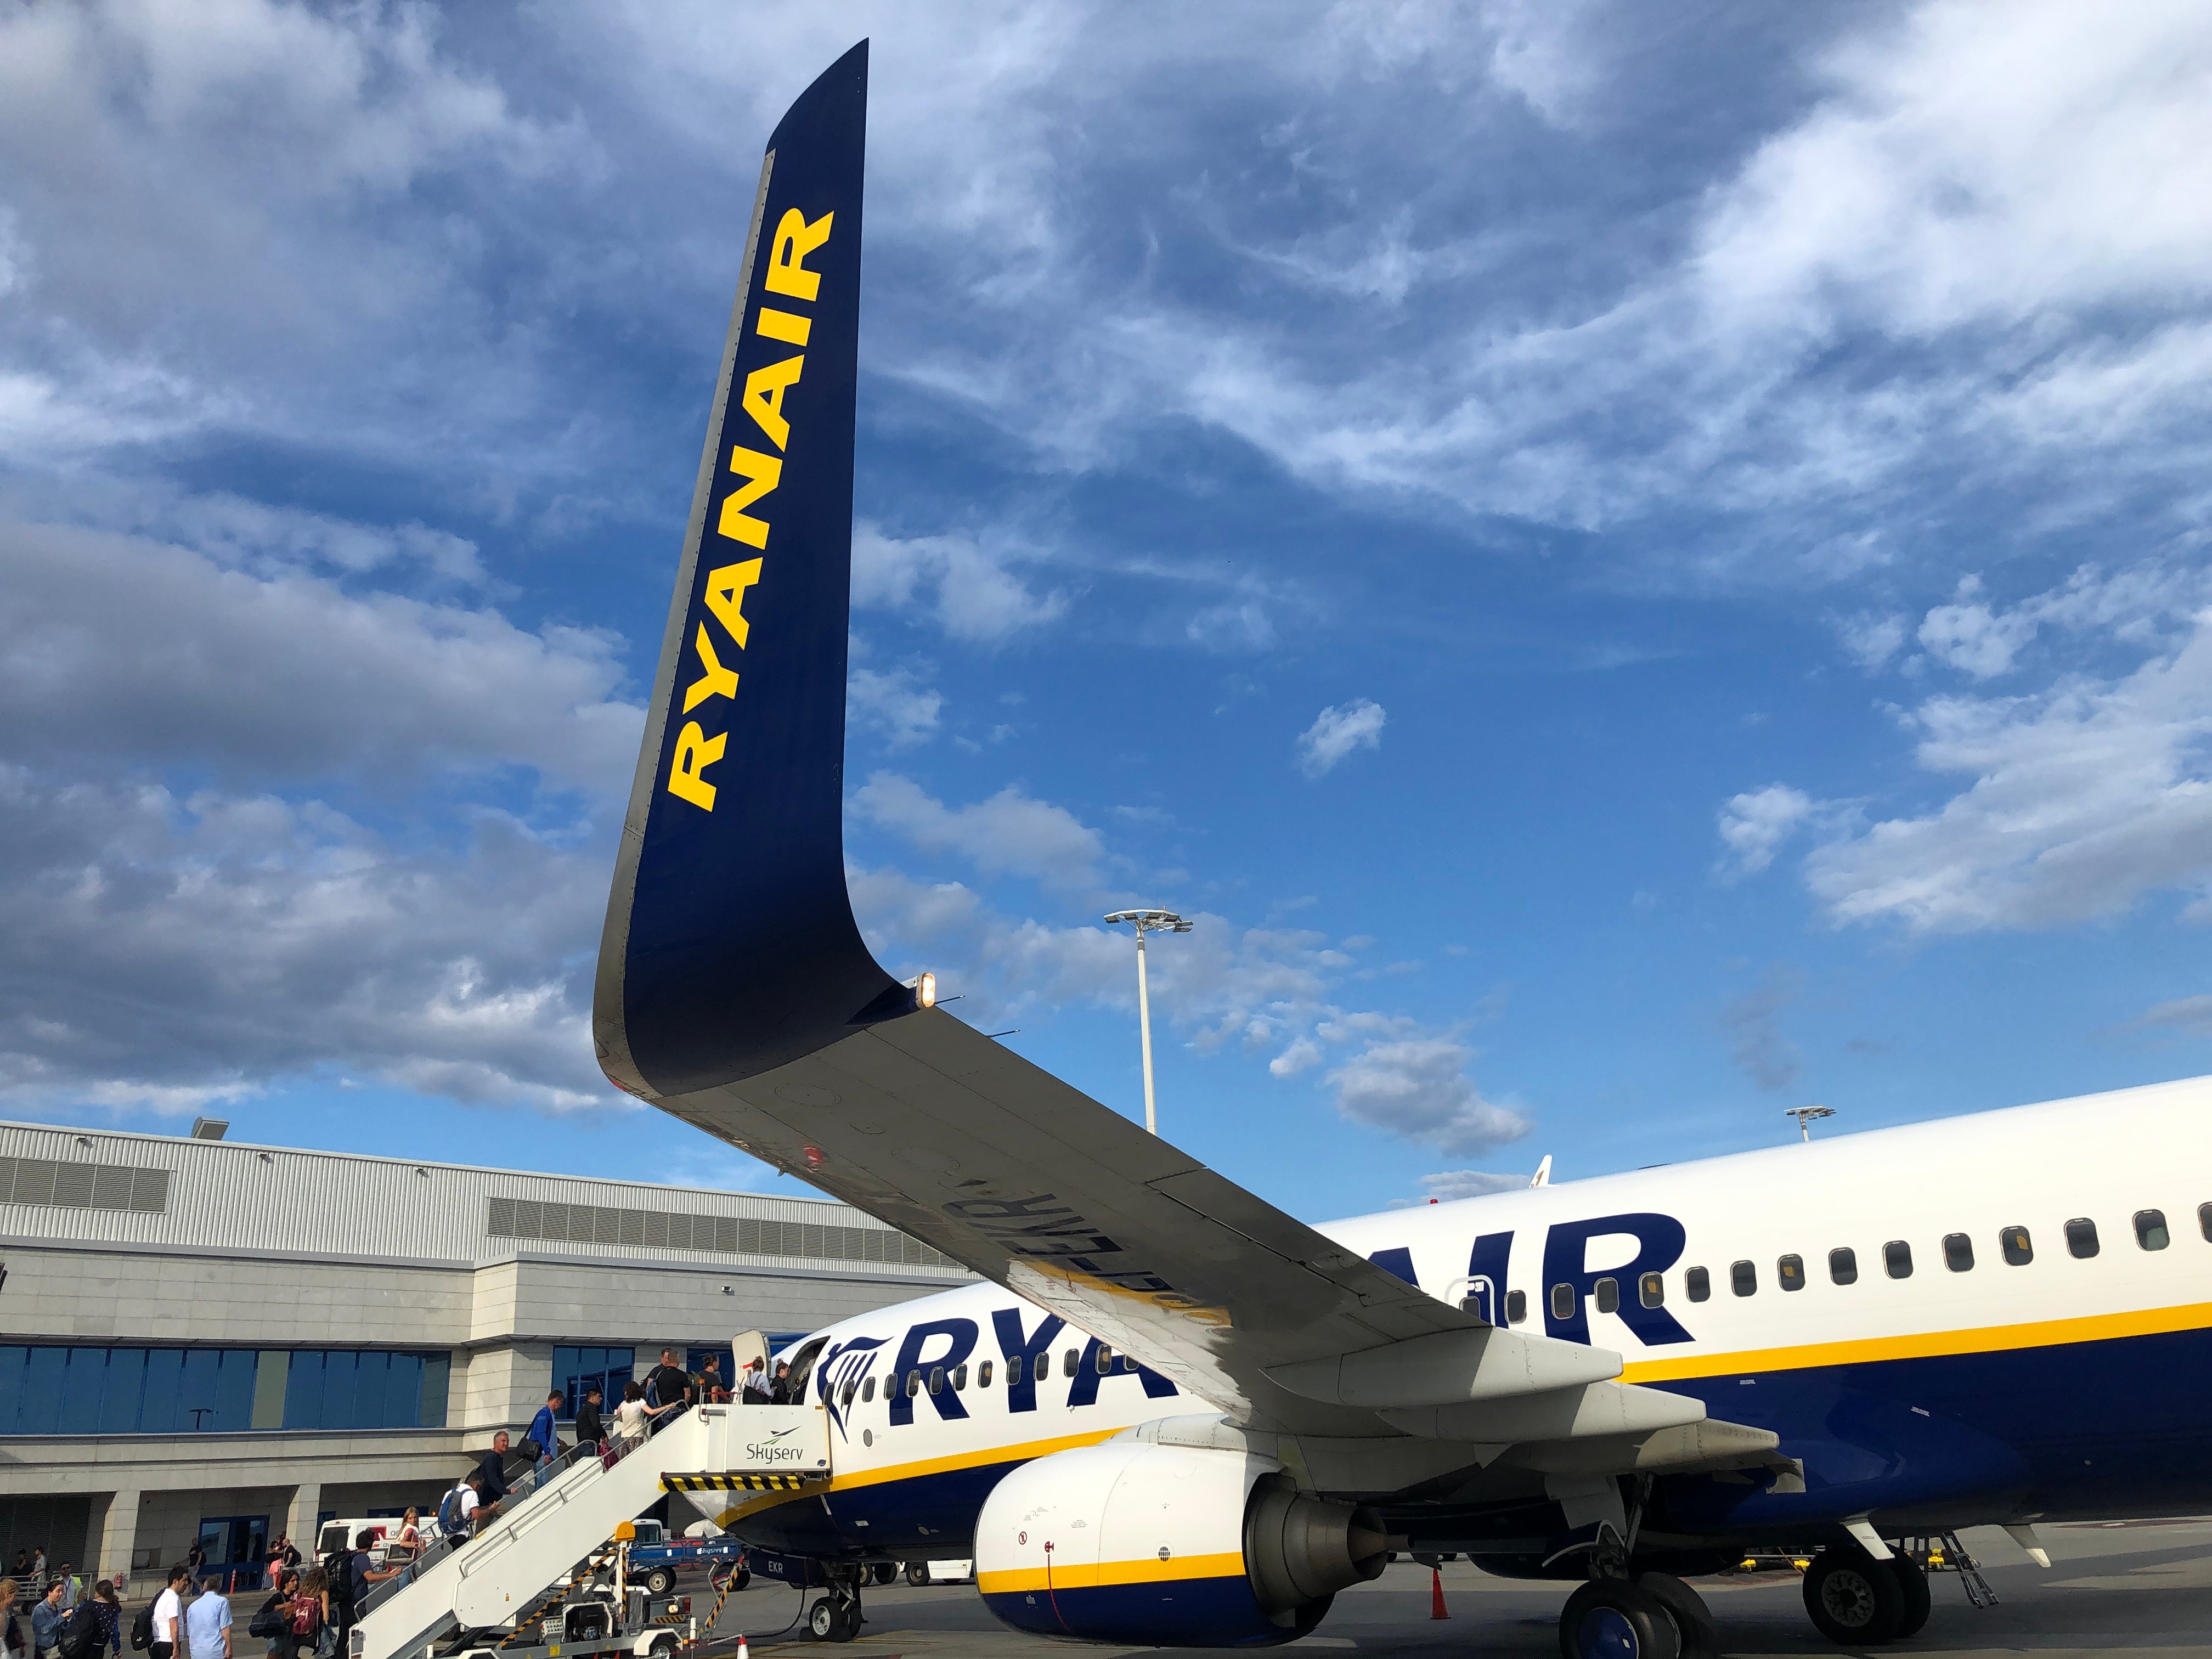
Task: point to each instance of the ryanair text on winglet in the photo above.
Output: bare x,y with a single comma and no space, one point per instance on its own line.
759,473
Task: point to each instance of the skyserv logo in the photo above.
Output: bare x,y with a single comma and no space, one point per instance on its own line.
775,1448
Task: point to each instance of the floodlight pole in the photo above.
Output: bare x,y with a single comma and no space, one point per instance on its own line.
1145,921
1806,1116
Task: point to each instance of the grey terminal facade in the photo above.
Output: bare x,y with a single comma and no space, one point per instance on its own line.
204,1339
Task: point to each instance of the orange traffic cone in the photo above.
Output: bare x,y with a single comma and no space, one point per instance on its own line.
1436,1594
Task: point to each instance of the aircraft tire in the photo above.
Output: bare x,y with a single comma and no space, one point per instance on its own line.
1914,1583
1855,1600
1693,1621
883,1572
831,1620
1613,1618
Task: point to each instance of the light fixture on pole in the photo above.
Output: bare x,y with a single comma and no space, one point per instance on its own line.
1806,1116
1147,921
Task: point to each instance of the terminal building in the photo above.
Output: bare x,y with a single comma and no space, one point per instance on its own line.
206,1340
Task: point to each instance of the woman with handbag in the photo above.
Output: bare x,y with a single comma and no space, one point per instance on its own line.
273,1622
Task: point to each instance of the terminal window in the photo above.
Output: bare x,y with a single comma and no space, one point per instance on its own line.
49,1389
606,1369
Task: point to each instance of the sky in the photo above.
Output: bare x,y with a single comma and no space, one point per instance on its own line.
1629,568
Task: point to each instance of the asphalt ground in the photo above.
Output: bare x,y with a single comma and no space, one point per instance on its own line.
2144,1587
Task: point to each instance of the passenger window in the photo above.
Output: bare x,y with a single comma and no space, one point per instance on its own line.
2019,1249
1128,1363
1068,1361
2081,1238
983,1375
1608,1292
913,1384
2150,1230
847,1400
1516,1303
937,1379
1563,1301
1043,1366
1743,1278
1958,1252
959,1379
1105,1360
2204,1221
1790,1272
1897,1259
1843,1266
1652,1289
1014,1372
868,1391
1698,1283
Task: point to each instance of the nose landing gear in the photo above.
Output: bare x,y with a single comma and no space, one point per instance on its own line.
836,1616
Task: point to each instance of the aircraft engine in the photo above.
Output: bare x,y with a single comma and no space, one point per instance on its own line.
1184,1545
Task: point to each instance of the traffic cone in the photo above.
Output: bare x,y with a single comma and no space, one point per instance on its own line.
1435,1598
743,1652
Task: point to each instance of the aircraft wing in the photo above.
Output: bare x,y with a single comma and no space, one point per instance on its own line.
735,991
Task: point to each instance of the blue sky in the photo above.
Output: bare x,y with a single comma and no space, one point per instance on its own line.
1630,568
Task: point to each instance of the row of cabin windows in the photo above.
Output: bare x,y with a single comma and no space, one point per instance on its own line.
2014,1243
937,1378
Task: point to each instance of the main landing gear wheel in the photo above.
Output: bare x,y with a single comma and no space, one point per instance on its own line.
1613,1618
832,1620
1854,1600
659,1581
883,1572
1914,1583
1693,1621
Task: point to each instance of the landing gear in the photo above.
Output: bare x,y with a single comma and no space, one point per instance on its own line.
836,1616
1693,1621
1856,1600
1614,1619
1913,1581
883,1572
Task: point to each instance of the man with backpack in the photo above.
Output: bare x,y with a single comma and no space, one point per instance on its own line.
349,1572
159,1627
95,1626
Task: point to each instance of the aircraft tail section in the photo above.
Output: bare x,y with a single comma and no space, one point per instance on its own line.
730,945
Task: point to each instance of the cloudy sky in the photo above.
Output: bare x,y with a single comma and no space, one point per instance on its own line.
1631,568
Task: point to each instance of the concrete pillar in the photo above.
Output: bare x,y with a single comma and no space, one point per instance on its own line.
115,1533
301,1518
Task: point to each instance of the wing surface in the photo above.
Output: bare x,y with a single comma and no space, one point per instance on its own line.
735,991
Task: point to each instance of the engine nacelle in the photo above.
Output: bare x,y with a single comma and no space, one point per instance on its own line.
1173,1545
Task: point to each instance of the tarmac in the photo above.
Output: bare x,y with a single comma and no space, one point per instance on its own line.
2144,1587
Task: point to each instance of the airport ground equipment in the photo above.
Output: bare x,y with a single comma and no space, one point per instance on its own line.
654,1557
547,1525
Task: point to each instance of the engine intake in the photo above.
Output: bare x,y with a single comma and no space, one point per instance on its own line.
1158,1545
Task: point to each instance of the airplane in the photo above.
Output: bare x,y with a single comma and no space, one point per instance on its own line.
1172,1413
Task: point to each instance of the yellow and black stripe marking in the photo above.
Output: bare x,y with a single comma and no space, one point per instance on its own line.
740,1482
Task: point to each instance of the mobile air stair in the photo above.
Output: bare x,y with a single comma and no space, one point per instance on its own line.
546,1528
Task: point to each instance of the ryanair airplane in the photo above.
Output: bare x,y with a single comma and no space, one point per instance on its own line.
1176,1415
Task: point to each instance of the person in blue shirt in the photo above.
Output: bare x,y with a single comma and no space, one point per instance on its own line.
541,1430
46,1620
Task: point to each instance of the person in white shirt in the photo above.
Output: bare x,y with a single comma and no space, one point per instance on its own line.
169,1615
633,1416
207,1626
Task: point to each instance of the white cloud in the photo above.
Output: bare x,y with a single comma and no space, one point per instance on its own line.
1449,1184
1009,834
1755,823
894,704
1238,625
2080,798
970,589
1971,637
1336,732
125,649
1871,641
1413,1083
2186,1016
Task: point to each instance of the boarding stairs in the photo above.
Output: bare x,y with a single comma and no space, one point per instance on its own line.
549,1523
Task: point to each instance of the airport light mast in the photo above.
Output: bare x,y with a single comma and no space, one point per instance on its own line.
1147,921
1806,1116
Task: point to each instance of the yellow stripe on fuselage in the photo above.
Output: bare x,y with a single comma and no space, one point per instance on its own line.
981,1457
1929,1345
1097,1574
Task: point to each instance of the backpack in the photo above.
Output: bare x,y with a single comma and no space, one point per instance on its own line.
307,1614
449,1511
141,1627
81,1635
271,1621
339,1565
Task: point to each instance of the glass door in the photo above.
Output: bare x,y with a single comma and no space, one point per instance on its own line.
236,1547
